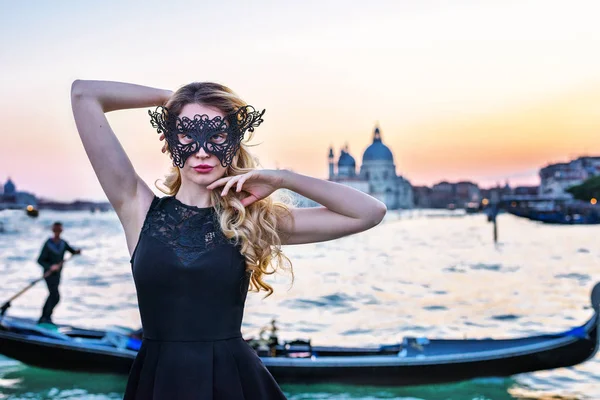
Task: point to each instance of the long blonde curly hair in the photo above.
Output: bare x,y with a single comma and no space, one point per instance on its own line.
254,227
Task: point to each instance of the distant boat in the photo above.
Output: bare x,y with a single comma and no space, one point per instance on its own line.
31,211
554,211
473,207
564,215
557,217
414,361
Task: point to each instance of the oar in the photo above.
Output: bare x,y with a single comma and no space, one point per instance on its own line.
6,305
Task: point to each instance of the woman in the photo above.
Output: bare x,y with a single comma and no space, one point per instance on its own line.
196,252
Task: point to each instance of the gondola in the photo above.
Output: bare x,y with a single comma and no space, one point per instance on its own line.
414,361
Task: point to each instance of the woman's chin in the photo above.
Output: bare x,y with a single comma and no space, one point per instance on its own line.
203,179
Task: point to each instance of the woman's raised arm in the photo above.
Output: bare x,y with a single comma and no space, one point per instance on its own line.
127,193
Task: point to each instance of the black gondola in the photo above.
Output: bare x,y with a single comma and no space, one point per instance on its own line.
414,361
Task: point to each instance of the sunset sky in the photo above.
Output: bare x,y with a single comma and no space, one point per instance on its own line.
478,90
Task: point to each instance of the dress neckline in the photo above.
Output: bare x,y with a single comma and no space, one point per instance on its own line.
179,203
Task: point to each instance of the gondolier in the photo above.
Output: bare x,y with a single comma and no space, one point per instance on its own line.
51,259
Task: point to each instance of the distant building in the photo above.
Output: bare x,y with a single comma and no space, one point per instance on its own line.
442,195
11,198
467,192
377,175
453,195
443,187
9,188
495,194
556,178
526,190
591,165
77,205
422,196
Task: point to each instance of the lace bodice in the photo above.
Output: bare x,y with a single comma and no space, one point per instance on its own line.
189,231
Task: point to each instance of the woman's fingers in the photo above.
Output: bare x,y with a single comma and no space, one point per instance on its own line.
219,182
240,183
229,184
161,138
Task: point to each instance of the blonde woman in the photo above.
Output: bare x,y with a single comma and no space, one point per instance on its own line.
196,252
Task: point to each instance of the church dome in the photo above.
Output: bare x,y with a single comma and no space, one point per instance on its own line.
346,160
9,187
377,151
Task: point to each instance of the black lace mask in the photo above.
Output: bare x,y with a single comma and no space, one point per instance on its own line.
218,136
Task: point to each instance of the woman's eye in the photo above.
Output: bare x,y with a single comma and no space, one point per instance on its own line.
218,138
185,138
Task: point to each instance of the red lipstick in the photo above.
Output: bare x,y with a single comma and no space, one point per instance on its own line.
203,168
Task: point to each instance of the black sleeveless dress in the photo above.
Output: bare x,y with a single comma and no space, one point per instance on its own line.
191,286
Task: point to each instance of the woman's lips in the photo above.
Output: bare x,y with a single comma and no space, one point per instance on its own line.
203,169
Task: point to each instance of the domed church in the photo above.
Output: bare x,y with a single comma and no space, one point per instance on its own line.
377,175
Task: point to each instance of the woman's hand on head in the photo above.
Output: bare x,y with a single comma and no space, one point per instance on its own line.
167,96
161,138
258,184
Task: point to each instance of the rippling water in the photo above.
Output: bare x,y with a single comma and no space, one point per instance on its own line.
418,273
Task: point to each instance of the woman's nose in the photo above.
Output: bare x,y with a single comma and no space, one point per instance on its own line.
202,153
